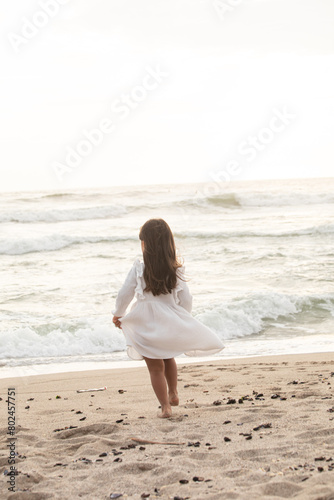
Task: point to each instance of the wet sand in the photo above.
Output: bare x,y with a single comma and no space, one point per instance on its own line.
245,429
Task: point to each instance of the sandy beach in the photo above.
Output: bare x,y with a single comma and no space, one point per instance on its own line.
245,429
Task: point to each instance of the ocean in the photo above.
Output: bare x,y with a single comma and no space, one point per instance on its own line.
259,257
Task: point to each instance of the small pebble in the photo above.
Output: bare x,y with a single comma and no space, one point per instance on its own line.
227,439
183,481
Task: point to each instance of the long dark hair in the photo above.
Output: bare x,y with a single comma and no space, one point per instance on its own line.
161,263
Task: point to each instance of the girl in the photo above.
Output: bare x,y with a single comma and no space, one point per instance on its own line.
159,325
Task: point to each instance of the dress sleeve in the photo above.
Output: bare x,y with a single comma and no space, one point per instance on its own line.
182,294
127,292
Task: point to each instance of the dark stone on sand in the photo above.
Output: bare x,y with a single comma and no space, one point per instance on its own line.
320,458
196,445
121,391
142,448
262,426
197,479
183,481
78,412
145,495
227,439
240,401
118,459
117,453
231,401
227,422
218,402
320,469
30,399
119,421
26,407
83,418
104,454
275,396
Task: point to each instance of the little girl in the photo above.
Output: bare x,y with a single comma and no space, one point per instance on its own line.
159,325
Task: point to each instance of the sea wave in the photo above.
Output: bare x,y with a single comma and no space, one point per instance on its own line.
240,317
54,241
89,337
269,199
62,215
252,314
321,229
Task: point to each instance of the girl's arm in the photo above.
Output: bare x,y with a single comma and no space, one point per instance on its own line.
126,293
185,297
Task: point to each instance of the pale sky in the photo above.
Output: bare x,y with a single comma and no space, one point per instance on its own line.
191,87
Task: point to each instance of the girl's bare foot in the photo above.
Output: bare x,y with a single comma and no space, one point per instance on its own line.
174,399
166,412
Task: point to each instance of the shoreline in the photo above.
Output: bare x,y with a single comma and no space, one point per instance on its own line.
124,366
260,427
230,352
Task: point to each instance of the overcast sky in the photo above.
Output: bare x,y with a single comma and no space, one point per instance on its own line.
181,90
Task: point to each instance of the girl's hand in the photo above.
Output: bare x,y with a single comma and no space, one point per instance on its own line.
116,321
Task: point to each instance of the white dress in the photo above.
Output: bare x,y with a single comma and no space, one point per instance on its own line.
161,326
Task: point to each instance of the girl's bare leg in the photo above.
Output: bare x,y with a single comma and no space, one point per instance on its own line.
171,377
156,367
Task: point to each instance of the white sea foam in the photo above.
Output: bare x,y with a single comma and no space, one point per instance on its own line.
95,337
